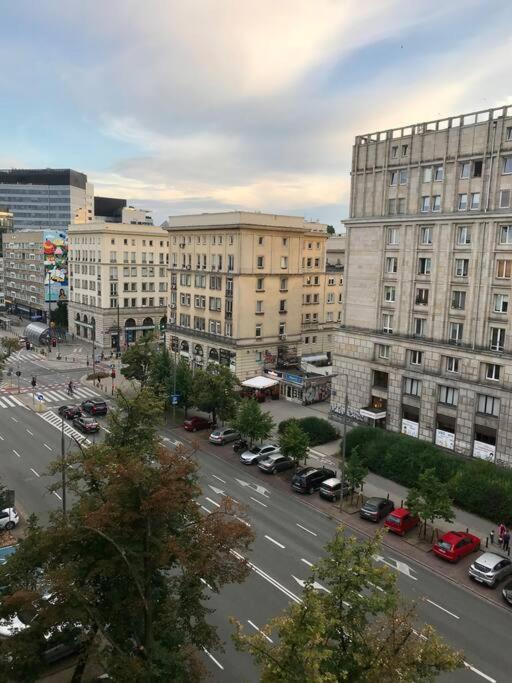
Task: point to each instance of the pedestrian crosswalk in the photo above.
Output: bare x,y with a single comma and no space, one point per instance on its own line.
51,395
10,402
56,421
18,356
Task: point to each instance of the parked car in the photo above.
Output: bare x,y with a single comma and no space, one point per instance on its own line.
276,463
70,412
222,436
309,479
454,545
490,568
9,518
507,592
94,406
88,425
376,508
195,423
400,521
257,453
330,489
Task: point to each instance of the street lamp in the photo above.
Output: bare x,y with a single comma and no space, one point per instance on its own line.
344,444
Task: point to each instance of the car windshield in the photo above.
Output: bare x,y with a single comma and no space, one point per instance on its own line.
393,519
370,506
445,545
89,420
255,450
482,568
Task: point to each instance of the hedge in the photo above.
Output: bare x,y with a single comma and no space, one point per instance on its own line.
476,486
318,430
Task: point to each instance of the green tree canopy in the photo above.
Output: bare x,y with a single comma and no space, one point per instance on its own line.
252,422
161,371
355,470
330,230
349,626
430,500
10,345
213,391
294,442
137,359
185,384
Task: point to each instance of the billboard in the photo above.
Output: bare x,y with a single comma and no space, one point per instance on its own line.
55,249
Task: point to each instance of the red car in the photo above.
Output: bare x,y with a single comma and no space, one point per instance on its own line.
193,424
400,521
456,544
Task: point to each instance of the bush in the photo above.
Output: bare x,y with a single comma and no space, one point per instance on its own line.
98,375
318,430
475,485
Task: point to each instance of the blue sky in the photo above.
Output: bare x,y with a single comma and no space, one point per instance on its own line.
205,105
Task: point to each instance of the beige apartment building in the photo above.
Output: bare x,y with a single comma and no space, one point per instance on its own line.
426,344
24,273
251,290
118,281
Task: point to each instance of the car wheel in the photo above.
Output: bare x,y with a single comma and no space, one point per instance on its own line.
274,470
310,490
9,526
193,429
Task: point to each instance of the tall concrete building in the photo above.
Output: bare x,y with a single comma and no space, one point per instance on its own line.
6,224
251,290
426,343
46,198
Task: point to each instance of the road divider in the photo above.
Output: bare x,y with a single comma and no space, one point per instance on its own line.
272,540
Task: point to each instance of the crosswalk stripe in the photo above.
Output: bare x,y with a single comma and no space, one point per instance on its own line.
11,405
13,398
50,395
1,404
83,393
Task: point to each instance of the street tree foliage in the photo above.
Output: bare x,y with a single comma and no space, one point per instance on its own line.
330,230
164,378
252,422
430,500
137,359
127,562
9,345
294,442
355,470
184,384
351,625
213,391
59,314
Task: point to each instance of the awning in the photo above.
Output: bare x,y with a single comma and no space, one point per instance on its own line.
312,359
373,413
259,383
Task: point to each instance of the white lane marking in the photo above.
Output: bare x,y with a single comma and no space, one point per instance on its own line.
479,673
106,430
258,501
206,583
272,540
56,494
309,532
255,487
16,453
317,586
212,502
268,578
33,470
219,492
243,521
442,608
14,419
259,630
48,447
13,398
397,565
215,661
28,430
9,402
1,404
218,478
206,509
310,564
1,438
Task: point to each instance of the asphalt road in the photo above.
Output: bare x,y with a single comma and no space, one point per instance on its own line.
290,536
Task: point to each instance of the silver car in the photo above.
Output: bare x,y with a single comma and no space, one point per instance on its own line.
490,568
222,436
257,453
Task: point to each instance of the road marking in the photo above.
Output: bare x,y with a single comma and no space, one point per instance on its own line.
243,521
56,494
33,470
206,583
255,487
269,538
106,430
479,673
396,564
9,402
218,478
258,501
215,661
219,492
1,438
48,447
310,564
16,453
309,532
14,419
268,578
259,631
13,398
442,608
28,430
212,502
206,510
315,584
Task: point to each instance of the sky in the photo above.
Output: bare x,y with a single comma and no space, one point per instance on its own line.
187,106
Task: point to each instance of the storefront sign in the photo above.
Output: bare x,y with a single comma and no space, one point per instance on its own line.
410,428
484,451
295,379
445,439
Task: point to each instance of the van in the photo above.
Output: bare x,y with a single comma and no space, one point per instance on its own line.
330,489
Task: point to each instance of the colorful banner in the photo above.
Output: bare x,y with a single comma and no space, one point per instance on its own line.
55,266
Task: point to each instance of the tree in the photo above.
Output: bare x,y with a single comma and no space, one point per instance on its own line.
137,359
330,230
349,626
59,315
294,443
355,470
252,422
161,371
429,500
128,561
213,391
184,384
10,344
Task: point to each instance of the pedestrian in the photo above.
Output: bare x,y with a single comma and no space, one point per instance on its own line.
506,540
501,530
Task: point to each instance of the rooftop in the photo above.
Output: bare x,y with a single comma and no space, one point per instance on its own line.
236,219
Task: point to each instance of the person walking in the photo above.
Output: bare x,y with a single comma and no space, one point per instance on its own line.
501,531
70,388
506,540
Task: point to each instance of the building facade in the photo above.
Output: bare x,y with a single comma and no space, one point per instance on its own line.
24,274
426,344
251,291
6,225
118,281
46,198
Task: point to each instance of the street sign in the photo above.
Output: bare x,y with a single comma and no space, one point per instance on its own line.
175,398
40,397
18,373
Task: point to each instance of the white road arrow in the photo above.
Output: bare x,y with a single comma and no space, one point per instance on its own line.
317,586
219,492
397,565
255,487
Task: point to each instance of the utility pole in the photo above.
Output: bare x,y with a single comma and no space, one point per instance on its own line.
63,468
344,446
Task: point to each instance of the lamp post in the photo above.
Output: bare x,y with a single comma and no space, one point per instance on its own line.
344,444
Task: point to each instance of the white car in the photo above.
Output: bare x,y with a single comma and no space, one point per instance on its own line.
257,453
9,518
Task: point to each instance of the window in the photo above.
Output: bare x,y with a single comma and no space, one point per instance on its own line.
402,176
492,372
419,327
448,395
427,174
475,200
452,364
461,267
282,306
283,284
387,323
231,262
391,207
391,264
463,202
463,235
285,241
421,297
259,307
507,165
228,329
257,332
393,178
260,261
259,284
509,133
504,199
438,173
488,405
424,266
503,269
416,357
459,300
500,303
383,351
465,168
389,294
506,234
405,148
412,386
456,333
394,151
425,204
393,236
436,202
401,206
426,235
284,261
214,303
497,338
260,240
330,298
477,168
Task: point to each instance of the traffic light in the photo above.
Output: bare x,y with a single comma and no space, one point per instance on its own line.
33,382
54,342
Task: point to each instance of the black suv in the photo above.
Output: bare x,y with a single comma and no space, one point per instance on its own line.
94,406
308,479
